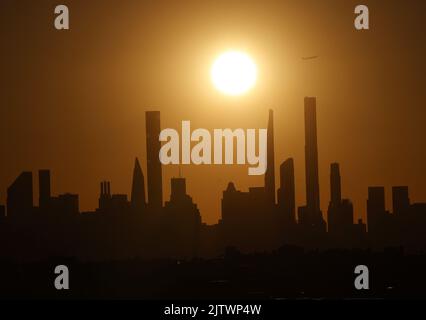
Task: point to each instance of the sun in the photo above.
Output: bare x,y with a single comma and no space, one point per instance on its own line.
234,73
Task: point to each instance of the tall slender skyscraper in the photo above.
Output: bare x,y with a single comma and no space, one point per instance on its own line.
270,170
311,156
286,192
138,201
311,214
153,145
44,188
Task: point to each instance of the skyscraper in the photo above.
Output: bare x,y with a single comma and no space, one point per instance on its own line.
376,211
153,145
286,192
340,211
270,169
44,189
20,196
400,200
183,220
310,214
311,156
138,201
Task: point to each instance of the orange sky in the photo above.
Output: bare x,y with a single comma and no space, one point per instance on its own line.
74,101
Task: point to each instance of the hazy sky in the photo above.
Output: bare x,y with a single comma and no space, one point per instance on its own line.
74,101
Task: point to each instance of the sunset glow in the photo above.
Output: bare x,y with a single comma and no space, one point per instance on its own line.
234,73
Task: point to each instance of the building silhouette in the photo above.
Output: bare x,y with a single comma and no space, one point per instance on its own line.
286,192
54,207
311,156
250,221
335,184
183,220
400,200
112,204
20,196
340,211
65,205
376,211
44,189
137,199
153,146
270,169
311,215
105,195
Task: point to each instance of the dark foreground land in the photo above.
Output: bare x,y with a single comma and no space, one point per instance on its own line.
288,273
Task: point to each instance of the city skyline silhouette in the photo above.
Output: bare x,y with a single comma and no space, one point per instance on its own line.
75,103
154,180
82,185
143,237
262,219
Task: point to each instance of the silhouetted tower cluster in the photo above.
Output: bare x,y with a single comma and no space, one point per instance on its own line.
20,199
255,220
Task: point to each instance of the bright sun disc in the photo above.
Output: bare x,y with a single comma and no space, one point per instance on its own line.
234,73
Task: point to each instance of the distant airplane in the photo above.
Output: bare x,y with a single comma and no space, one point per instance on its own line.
309,58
